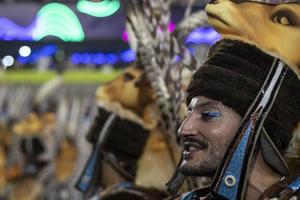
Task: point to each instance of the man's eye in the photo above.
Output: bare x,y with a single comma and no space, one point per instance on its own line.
210,115
281,19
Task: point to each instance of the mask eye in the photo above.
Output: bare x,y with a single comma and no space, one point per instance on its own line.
281,19
128,77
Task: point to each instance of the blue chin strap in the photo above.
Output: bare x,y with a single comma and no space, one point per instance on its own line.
88,181
230,179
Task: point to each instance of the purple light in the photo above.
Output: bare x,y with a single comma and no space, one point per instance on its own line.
125,36
85,58
47,50
177,58
103,58
43,24
203,35
75,58
11,31
128,56
111,58
192,50
172,26
98,58
23,60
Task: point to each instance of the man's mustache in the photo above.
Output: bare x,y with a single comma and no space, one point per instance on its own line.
194,141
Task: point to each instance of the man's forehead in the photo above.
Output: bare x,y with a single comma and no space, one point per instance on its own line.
201,101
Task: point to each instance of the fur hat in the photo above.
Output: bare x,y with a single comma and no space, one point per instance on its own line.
234,74
126,141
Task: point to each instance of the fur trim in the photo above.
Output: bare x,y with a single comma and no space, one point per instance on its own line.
115,107
293,67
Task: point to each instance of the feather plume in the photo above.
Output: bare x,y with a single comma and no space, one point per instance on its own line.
158,50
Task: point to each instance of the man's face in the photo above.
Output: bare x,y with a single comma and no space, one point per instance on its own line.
206,134
275,29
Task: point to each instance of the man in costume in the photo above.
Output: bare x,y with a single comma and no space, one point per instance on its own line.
241,103
218,96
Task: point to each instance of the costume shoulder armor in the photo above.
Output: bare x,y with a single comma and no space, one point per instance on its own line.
286,188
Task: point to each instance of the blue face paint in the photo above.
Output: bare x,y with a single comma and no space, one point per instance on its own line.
210,115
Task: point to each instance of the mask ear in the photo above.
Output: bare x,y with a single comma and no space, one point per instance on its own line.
271,154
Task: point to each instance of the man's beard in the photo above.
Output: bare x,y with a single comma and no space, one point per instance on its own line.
206,166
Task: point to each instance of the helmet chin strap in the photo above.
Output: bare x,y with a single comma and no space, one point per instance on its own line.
176,181
229,181
88,179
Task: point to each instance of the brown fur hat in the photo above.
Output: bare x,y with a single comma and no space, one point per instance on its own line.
234,73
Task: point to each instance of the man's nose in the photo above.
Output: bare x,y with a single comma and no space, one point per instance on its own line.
187,128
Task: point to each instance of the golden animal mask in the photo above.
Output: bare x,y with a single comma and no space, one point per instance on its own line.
273,28
130,89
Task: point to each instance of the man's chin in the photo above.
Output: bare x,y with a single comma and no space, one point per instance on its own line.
192,170
188,168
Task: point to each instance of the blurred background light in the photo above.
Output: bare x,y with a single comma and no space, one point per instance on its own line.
102,8
75,59
24,51
128,56
111,58
53,19
48,50
7,61
85,58
11,31
172,26
125,36
99,58
203,35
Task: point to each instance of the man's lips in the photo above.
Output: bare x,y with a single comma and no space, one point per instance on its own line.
192,145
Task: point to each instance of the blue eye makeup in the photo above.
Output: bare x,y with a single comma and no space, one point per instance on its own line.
210,115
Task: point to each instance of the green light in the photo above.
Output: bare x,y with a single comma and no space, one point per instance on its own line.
69,77
55,19
103,8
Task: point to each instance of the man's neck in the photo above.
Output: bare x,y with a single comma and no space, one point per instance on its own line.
260,178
